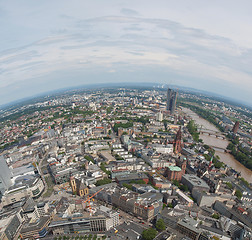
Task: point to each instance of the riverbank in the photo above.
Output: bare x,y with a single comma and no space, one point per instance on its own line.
205,115
226,158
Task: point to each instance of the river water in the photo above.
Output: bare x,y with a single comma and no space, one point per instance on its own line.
227,158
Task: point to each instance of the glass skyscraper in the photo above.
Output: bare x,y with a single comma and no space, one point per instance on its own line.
171,100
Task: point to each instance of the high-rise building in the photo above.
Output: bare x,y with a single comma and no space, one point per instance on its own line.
5,176
171,100
159,116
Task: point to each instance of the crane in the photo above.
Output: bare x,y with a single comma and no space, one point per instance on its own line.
89,198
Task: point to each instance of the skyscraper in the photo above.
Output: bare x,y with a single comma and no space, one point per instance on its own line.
171,100
5,176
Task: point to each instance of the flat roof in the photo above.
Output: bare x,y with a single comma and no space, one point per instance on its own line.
106,154
195,181
190,224
5,222
37,225
130,176
174,168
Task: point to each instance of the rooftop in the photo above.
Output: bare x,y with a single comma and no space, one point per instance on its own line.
36,225
131,176
174,168
4,223
195,181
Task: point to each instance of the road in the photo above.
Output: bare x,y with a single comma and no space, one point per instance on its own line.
43,163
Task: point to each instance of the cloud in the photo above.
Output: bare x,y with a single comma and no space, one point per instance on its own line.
130,47
129,12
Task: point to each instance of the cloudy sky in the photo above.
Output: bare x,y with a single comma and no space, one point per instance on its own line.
50,44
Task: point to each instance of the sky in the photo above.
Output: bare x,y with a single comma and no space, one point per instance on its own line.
48,45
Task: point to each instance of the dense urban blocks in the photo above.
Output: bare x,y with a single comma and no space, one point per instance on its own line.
121,163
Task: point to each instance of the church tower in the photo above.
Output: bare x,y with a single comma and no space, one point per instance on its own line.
177,141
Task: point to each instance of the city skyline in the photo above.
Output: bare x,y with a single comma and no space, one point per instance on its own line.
110,163
46,46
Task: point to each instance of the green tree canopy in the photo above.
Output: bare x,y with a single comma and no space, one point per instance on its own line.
238,193
160,225
103,181
216,216
149,234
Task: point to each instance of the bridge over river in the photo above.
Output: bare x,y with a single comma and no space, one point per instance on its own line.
219,148
217,140
212,133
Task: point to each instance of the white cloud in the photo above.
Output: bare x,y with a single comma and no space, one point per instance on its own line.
126,38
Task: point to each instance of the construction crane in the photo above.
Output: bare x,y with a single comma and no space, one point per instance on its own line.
89,198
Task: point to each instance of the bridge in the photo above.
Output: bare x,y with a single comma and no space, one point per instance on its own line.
212,133
209,132
219,148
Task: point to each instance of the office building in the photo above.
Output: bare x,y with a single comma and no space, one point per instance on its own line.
159,116
35,229
194,182
188,227
24,186
5,176
10,225
171,100
103,219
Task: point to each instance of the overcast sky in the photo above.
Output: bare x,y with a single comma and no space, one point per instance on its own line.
50,44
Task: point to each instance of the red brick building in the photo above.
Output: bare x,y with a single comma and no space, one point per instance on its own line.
174,173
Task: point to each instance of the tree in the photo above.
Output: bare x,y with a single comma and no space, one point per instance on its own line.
238,193
149,234
229,185
216,216
192,128
169,205
103,168
244,182
183,188
206,146
160,225
175,182
89,158
129,186
218,164
103,181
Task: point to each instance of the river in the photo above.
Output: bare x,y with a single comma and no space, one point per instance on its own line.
227,158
